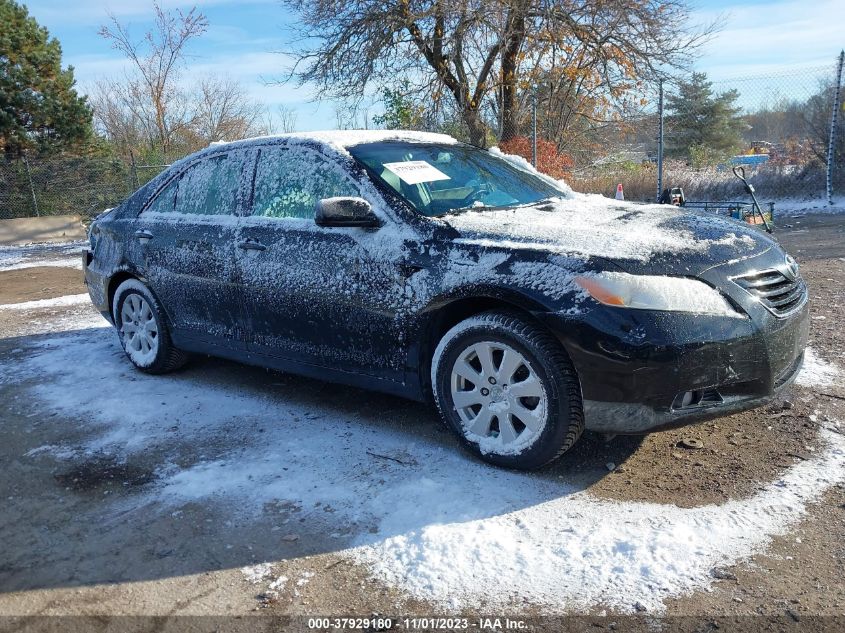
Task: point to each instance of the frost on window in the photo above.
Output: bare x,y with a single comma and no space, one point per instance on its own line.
289,182
210,187
165,200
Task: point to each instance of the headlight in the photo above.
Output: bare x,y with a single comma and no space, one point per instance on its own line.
651,292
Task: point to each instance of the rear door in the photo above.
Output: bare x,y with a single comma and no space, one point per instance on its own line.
321,296
187,236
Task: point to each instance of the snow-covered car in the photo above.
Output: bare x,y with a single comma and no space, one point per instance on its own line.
415,265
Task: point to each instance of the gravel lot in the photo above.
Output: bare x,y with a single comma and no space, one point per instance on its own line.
228,490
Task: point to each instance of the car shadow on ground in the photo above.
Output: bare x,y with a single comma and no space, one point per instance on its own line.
115,476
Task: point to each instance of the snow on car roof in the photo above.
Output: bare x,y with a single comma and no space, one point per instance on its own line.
342,139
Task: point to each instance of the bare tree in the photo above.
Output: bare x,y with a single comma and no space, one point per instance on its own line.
224,111
287,119
152,93
473,50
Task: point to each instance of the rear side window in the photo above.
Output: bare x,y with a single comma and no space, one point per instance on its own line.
209,187
289,182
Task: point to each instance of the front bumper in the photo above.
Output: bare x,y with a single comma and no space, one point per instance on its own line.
647,370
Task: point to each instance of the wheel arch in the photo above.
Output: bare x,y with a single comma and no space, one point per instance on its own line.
123,275
446,315
114,283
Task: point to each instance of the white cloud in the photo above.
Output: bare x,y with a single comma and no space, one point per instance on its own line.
774,37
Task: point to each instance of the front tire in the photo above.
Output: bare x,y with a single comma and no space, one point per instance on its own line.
142,329
507,388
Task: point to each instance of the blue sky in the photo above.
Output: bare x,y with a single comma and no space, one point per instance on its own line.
245,37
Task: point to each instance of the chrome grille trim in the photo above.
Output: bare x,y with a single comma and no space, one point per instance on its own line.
780,290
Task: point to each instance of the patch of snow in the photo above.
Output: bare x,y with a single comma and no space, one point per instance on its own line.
12,255
66,300
278,584
254,574
592,225
796,207
51,321
74,262
817,372
439,525
574,551
341,139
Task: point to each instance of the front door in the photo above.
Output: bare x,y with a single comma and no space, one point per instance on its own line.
322,296
187,235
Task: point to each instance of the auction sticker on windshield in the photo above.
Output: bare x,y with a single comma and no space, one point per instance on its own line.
413,172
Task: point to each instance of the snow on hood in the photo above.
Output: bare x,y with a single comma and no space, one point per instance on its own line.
592,225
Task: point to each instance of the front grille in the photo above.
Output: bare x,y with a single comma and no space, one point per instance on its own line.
781,293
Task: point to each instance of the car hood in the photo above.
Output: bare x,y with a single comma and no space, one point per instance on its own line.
642,239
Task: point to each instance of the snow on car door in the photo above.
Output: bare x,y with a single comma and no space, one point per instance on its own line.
317,295
187,236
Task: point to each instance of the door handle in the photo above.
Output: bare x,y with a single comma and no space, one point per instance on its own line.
143,236
252,245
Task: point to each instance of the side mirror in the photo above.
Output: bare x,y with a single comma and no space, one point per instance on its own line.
345,212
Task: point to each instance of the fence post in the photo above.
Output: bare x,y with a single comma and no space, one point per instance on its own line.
660,142
31,186
534,126
134,184
831,147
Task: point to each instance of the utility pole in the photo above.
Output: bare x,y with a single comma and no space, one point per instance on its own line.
660,143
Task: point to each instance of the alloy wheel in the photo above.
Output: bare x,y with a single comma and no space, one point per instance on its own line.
139,330
499,397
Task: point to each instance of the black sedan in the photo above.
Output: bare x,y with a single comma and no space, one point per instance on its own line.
413,264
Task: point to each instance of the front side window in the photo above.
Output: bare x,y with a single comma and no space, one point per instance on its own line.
437,179
165,201
290,181
208,187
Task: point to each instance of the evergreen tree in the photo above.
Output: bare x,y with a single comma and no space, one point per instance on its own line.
704,127
39,108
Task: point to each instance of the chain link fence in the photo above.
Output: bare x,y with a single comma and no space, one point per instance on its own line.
67,185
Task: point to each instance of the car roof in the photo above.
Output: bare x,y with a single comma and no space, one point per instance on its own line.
331,141
340,140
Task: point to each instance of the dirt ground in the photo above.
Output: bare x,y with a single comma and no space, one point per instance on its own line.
55,561
44,282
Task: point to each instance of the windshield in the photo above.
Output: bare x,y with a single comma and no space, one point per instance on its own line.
437,179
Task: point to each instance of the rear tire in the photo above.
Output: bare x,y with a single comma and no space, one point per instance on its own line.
142,329
507,388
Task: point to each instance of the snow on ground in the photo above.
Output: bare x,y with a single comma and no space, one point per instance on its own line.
817,372
39,254
434,523
55,302
795,207
68,262
50,321
254,574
